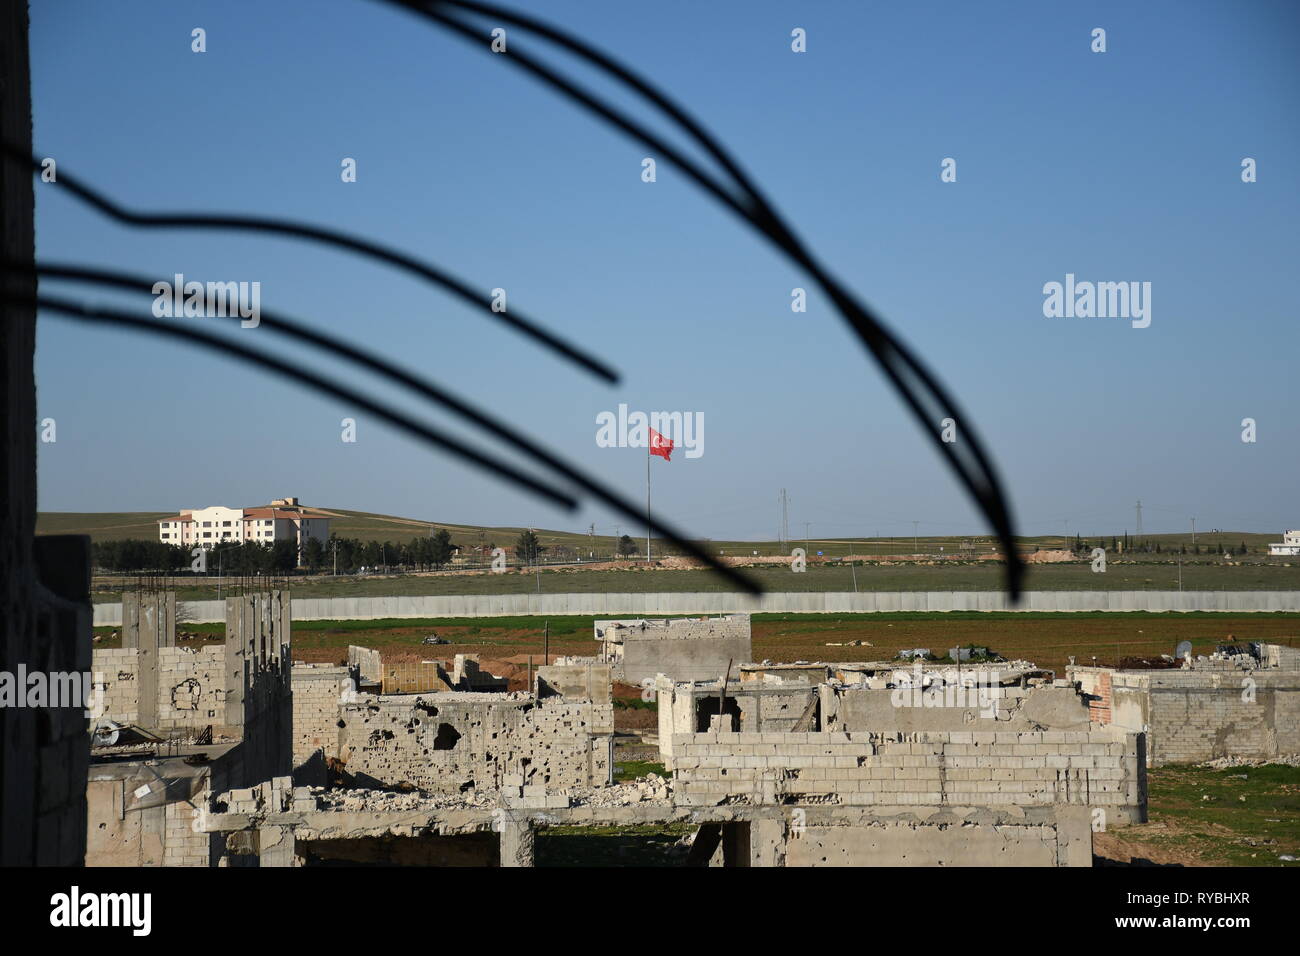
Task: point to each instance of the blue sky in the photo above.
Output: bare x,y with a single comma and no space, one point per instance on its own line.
1123,165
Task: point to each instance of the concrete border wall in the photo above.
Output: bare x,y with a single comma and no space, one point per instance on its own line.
725,602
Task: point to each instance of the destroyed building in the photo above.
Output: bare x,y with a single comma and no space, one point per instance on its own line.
781,766
172,725
639,649
1241,701
917,762
882,696
452,741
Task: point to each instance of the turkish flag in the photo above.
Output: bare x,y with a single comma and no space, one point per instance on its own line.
659,445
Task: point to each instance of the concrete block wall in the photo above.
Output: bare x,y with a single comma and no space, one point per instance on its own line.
965,768
684,650
587,681
1012,707
166,827
367,662
1053,836
1201,716
189,686
318,690
1191,716
691,708
185,843
1280,656
116,673
190,689
443,743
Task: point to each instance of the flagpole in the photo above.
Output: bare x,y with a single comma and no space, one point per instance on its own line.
647,498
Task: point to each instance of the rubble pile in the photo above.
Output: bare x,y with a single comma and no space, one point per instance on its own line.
651,788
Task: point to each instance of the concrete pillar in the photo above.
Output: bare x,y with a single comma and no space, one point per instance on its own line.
146,628
767,841
517,841
1073,835
276,847
237,626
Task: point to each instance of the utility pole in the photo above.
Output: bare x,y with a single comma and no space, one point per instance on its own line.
1193,532
807,550
916,548
1138,532
785,520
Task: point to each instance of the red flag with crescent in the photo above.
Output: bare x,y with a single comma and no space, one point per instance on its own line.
661,446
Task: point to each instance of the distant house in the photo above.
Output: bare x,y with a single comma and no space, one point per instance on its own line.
481,554
284,519
1290,544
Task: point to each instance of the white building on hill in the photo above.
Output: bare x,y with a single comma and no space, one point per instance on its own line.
1290,544
282,520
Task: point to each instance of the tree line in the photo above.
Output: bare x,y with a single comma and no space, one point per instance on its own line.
1131,546
419,554
129,555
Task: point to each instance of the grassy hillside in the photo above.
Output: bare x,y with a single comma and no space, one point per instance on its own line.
109,526
102,526
370,526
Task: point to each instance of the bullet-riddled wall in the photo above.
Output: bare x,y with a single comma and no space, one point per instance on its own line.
452,742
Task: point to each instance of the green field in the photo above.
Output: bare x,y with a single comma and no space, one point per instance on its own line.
1200,816
982,576
1048,640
